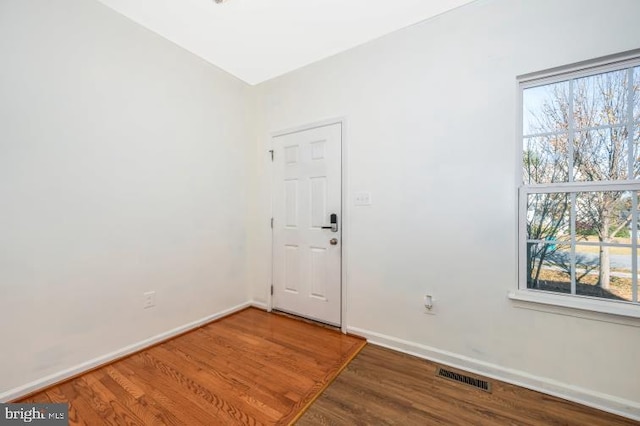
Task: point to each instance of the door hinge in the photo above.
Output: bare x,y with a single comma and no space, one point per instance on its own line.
272,289
271,151
271,223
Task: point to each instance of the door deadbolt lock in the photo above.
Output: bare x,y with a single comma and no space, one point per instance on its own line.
334,223
333,241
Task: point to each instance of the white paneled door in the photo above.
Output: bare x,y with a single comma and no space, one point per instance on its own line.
307,198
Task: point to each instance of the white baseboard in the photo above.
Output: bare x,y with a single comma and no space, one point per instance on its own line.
21,391
590,398
259,305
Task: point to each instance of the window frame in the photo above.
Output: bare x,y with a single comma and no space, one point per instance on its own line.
576,303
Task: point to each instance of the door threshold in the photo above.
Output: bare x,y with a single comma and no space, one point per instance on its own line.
307,320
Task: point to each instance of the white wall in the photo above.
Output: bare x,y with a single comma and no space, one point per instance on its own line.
128,165
431,132
123,164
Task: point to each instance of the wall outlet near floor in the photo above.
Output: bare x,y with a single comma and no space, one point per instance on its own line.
149,299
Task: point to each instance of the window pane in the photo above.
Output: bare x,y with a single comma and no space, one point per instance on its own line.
585,130
603,216
604,271
545,159
548,217
637,280
635,239
601,155
545,108
636,94
600,99
543,270
636,147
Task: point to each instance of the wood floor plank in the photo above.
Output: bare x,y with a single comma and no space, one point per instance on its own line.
240,408
82,406
108,408
55,395
384,387
269,398
103,384
251,368
275,357
121,379
208,400
165,398
294,372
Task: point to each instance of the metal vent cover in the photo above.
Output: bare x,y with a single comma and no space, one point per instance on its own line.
483,385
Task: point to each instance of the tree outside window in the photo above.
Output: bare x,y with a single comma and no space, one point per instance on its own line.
581,170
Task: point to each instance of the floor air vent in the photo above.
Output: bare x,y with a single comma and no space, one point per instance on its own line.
461,378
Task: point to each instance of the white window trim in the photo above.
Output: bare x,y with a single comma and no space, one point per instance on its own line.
577,302
623,312
581,69
567,305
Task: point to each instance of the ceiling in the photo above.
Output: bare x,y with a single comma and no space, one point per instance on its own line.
257,40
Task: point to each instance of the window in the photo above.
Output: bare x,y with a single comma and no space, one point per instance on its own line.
578,200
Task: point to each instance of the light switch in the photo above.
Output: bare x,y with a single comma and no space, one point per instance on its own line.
362,199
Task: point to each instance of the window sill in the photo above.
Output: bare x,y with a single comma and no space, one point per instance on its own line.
577,306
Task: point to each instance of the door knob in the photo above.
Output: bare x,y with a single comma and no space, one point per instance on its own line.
333,241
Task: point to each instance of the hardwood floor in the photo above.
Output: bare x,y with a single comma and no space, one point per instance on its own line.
383,387
249,368
256,368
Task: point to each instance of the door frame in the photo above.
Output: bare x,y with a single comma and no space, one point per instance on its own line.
344,222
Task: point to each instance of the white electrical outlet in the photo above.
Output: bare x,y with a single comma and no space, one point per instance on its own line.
428,302
149,299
